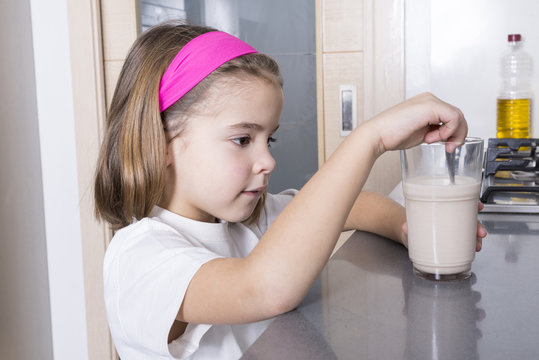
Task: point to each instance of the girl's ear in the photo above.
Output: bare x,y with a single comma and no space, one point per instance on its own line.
174,149
169,155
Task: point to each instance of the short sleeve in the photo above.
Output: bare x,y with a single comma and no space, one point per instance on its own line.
275,203
147,273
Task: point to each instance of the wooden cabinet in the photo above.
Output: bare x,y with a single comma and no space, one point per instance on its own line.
361,43
120,23
100,35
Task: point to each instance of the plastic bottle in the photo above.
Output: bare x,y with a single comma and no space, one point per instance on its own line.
514,104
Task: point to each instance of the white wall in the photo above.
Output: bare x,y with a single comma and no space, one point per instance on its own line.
42,291
59,176
24,290
454,49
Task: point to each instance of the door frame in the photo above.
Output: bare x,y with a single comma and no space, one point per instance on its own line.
89,111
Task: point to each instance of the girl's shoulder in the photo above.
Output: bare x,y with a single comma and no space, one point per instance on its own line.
164,232
142,228
146,235
151,243
161,228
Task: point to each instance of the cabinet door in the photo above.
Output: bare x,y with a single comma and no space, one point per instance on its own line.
360,43
101,33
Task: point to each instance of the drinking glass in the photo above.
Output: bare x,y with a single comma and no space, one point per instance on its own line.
441,192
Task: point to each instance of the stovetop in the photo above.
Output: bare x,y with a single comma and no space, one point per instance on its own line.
511,176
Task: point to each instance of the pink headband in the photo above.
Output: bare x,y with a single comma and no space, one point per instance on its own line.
196,60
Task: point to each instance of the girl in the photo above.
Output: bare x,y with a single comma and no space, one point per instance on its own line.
203,255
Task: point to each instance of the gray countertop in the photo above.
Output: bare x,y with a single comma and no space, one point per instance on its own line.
367,304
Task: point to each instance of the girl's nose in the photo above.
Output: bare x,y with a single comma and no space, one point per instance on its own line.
263,162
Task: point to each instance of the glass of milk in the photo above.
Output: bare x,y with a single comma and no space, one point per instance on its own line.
441,193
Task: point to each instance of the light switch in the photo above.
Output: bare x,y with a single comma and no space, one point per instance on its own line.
348,106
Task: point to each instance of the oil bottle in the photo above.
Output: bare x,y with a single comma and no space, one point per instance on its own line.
514,104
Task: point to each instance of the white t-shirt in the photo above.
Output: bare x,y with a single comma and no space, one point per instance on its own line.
148,266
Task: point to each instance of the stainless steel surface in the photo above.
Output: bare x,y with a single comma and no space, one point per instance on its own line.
511,208
367,304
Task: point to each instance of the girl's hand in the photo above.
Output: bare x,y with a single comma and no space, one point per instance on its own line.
423,118
481,232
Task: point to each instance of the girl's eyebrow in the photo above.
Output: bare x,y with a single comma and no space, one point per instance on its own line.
249,126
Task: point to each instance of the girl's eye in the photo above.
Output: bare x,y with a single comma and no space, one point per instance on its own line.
242,141
271,140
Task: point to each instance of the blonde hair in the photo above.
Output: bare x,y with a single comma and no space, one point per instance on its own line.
130,175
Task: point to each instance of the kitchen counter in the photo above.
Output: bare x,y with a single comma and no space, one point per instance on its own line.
367,304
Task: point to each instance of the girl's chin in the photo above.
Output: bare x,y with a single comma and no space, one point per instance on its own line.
240,216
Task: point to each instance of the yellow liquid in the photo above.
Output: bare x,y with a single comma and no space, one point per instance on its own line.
513,118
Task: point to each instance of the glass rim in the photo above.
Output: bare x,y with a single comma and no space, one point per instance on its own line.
468,140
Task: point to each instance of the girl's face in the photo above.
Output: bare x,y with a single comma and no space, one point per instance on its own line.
220,165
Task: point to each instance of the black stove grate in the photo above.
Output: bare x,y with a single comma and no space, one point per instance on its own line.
511,154
511,171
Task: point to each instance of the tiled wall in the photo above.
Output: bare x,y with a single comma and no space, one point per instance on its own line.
153,12
461,64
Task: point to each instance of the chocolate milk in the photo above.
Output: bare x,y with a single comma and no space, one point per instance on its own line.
442,223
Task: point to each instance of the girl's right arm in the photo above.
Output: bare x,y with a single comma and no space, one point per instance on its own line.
280,270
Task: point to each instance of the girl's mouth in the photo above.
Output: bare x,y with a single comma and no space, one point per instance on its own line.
255,192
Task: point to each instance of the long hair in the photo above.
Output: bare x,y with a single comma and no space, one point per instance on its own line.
131,169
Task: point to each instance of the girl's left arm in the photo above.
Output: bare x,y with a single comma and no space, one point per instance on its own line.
378,214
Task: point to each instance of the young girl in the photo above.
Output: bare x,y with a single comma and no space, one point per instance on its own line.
202,254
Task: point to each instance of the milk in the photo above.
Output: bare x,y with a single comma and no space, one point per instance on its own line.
442,223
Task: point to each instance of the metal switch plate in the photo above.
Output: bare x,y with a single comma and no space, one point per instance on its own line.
348,107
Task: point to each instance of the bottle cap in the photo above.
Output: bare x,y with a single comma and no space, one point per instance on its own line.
513,37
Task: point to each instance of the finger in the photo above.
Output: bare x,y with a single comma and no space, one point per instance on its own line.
478,244
451,127
480,206
481,231
404,235
454,131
